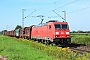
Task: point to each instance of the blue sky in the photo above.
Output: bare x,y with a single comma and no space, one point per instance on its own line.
77,12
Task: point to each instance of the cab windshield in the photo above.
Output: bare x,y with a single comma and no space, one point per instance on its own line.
63,26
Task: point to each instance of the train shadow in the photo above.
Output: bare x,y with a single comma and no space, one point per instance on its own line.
74,45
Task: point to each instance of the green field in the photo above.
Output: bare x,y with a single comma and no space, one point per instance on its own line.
18,51
81,38
22,49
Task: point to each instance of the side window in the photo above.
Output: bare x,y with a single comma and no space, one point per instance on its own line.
49,26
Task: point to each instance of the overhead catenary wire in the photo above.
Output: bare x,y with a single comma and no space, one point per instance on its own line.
66,4
62,6
30,14
78,10
72,11
58,14
59,8
53,9
66,13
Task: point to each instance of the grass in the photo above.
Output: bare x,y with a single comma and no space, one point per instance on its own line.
58,52
22,49
18,51
81,39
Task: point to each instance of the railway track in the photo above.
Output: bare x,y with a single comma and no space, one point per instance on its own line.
80,50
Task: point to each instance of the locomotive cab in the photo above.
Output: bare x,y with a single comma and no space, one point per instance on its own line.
62,33
59,32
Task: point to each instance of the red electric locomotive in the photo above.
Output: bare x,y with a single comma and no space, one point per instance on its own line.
52,32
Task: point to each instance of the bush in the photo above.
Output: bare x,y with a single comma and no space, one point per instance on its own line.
59,52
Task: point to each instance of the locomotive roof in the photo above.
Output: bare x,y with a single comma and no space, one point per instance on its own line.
51,21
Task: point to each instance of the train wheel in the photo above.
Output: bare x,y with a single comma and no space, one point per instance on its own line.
47,42
53,44
42,41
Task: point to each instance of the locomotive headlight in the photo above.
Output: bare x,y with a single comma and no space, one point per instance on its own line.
67,32
57,33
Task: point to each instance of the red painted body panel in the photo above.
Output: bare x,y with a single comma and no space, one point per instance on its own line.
49,31
35,31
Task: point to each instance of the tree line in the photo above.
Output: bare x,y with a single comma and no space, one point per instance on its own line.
18,26
80,31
